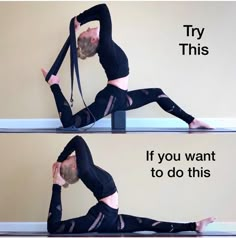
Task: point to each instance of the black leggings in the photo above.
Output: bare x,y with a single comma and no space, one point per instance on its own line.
104,219
112,99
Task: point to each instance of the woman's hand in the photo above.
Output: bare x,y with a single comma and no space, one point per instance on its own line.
77,24
57,179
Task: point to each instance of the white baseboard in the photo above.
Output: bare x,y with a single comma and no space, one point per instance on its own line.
23,226
42,227
106,123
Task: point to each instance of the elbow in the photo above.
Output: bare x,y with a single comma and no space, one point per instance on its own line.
78,139
103,8
104,5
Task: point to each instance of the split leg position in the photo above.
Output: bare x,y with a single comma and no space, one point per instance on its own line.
112,99
103,217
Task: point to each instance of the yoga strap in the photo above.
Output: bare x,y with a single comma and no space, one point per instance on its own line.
70,42
57,64
74,61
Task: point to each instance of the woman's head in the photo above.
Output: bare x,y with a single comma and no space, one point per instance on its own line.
88,43
69,170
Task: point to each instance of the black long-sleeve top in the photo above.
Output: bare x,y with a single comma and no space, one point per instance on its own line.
111,56
99,181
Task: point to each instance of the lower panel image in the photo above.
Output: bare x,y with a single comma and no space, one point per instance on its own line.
118,185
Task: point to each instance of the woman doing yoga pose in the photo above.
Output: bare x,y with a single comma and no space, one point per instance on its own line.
103,217
115,96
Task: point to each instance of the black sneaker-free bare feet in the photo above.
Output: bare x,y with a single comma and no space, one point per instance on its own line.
202,224
197,124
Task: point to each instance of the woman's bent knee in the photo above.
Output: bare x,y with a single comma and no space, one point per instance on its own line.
51,229
67,122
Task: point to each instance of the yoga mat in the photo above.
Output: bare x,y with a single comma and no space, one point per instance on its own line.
109,130
134,234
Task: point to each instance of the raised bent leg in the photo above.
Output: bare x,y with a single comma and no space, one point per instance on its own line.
141,97
103,105
63,107
82,224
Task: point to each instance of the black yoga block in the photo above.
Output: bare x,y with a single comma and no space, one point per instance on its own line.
118,120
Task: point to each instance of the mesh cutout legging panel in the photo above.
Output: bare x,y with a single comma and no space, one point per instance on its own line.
112,99
104,219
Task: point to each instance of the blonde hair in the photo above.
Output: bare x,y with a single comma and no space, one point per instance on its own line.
86,48
69,175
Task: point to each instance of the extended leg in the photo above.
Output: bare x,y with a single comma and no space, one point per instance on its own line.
129,223
139,98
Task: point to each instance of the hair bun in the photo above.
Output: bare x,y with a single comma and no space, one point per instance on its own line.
80,54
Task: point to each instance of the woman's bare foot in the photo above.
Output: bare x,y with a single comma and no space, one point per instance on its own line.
202,224
197,124
54,79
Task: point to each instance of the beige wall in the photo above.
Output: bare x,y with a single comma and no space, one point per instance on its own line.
32,34
26,176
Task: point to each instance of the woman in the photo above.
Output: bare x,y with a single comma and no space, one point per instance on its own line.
115,96
103,217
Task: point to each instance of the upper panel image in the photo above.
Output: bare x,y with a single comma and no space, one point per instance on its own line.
123,66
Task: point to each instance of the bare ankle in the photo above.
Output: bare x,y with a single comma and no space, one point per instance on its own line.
52,83
53,80
198,226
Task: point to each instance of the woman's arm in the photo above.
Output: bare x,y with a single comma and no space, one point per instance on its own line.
98,13
83,155
69,148
84,160
96,179
95,13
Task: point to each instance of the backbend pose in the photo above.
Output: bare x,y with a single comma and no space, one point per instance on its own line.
103,217
115,96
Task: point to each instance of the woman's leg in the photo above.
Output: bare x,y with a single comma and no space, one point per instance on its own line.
139,98
103,105
109,100
112,99
127,223
87,223
105,102
63,107
84,117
